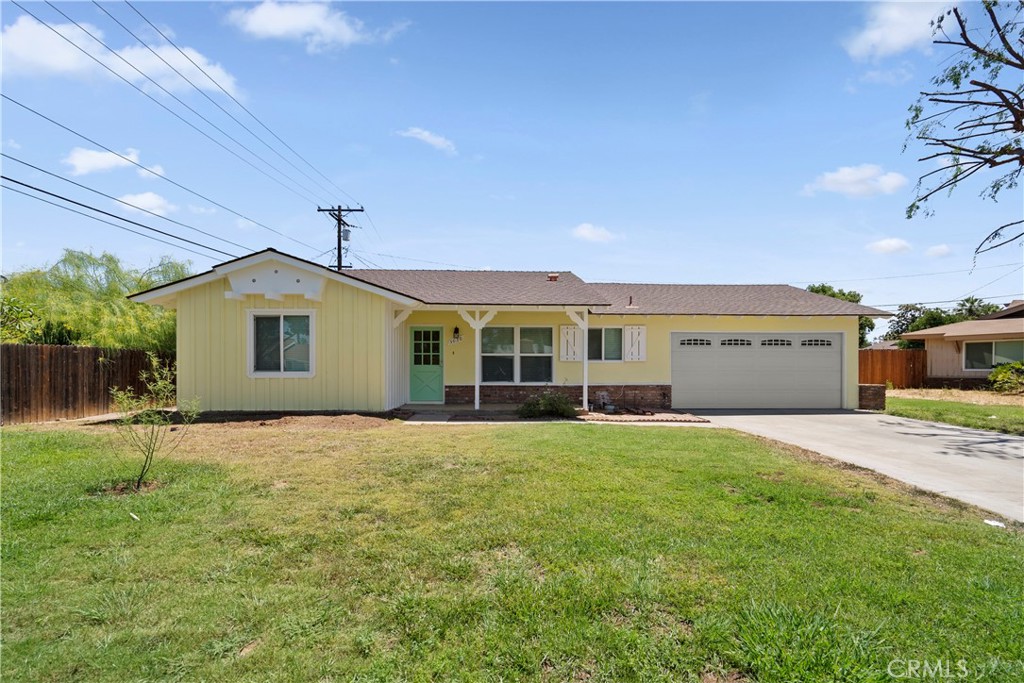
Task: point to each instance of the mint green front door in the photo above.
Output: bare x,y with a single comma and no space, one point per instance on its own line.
426,369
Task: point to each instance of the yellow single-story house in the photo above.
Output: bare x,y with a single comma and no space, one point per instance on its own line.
270,331
963,354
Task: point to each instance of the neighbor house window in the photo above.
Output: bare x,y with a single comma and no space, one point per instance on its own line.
604,343
987,355
281,344
517,354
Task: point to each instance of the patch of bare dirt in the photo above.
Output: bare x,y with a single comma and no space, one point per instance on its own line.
975,396
127,488
247,650
293,423
727,677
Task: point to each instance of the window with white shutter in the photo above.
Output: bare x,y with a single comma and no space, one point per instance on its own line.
635,342
571,343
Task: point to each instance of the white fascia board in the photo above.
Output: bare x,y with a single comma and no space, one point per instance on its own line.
486,307
166,295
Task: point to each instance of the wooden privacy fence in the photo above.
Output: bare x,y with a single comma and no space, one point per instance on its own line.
40,382
904,368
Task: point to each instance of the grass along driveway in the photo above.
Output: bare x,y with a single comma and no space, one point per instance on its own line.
297,551
1008,419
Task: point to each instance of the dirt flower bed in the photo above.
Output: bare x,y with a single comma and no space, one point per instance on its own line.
975,396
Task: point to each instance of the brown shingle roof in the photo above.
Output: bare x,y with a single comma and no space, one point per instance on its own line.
725,300
485,287
1014,309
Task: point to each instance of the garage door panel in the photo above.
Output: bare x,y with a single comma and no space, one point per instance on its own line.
776,370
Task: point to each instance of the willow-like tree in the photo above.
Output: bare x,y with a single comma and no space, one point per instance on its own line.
972,121
82,299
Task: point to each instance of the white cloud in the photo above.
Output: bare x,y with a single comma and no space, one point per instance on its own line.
11,143
318,25
588,232
856,181
150,201
155,168
892,28
433,139
938,251
83,161
202,210
31,49
889,245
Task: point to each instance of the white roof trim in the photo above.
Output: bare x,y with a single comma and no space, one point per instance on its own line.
165,295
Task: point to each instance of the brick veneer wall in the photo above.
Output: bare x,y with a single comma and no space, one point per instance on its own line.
629,395
872,396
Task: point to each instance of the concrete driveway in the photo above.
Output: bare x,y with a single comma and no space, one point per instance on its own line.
978,467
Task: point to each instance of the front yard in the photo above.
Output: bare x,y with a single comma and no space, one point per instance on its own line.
357,549
975,409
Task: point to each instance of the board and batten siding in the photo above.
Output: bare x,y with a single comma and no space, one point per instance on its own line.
352,331
945,359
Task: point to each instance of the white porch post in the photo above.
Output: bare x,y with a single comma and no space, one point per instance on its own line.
583,322
477,323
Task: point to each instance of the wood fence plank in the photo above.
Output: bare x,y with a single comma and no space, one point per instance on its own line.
45,382
903,368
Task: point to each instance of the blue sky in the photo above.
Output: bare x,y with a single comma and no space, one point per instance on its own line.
665,142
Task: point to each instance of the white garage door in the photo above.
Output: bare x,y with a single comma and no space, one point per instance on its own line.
756,370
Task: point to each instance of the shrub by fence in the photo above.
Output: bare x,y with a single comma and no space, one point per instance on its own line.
902,368
40,382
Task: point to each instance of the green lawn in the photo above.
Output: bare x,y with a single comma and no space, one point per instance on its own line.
553,552
1006,419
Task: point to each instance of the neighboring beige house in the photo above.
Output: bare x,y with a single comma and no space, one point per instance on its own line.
963,354
270,331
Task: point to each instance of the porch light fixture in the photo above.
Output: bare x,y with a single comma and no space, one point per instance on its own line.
455,334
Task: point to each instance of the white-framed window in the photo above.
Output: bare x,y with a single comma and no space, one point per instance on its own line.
604,343
521,355
282,343
988,354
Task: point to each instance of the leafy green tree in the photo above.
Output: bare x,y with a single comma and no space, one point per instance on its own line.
17,319
82,298
972,121
866,324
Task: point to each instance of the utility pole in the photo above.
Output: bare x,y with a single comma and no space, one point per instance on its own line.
338,213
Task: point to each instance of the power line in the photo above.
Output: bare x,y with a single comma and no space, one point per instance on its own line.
120,227
113,215
418,260
154,173
158,102
897,277
946,301
242,106
993,281
216,104
128,204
